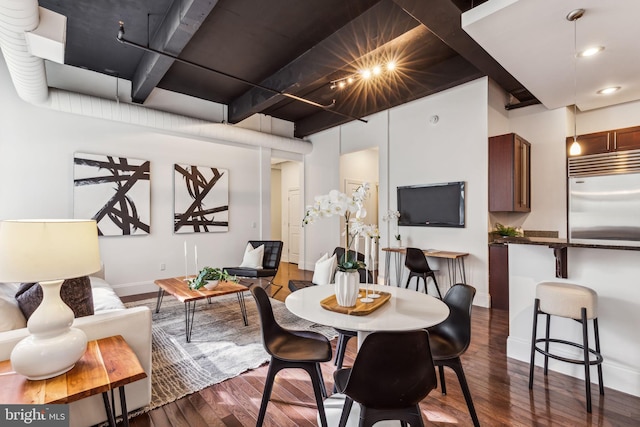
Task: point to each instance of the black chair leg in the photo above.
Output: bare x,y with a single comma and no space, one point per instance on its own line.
318,387
596,335
587,366
536,306
435,282
346,410
323,388
268,386
546,345
456,365
339,348
443,385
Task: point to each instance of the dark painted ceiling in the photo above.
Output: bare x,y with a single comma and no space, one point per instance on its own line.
262,49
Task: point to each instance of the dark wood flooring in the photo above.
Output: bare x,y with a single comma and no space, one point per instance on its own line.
499,387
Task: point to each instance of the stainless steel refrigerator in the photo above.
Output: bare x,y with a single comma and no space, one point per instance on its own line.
605,210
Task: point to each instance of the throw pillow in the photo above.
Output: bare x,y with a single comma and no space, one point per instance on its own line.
323,272
76,293
253,257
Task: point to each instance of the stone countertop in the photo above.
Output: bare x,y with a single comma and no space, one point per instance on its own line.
555,243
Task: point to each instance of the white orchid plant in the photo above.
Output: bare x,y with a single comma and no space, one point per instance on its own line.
352,208
393,216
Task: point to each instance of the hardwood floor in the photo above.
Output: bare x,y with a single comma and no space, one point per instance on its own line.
499,387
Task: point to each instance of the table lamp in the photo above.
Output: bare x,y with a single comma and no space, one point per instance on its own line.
48,252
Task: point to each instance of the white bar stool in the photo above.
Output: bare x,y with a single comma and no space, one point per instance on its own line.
574,302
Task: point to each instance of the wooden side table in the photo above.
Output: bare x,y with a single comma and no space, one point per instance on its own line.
107,364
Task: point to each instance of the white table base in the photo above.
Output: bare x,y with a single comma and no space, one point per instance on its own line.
333,409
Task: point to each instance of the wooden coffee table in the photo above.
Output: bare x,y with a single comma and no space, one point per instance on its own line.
178,287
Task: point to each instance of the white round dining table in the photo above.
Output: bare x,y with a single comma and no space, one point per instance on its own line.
406,310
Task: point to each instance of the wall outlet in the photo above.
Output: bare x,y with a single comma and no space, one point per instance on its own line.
163,266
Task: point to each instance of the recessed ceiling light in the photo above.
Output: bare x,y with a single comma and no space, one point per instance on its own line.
391,65
591,51
366,74
608,90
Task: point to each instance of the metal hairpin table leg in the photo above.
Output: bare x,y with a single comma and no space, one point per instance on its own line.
243,308
387,266
398,269
159,301
107,407
189,311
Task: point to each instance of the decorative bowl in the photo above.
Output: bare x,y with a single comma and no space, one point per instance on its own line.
211,284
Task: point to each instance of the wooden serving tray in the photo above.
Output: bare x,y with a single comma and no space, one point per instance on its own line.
360,309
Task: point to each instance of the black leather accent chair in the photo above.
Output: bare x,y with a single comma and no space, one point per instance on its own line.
450,339
392,373
290,349
419,268
270,263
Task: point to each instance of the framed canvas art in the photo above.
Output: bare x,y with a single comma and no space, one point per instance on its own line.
201,199
115,191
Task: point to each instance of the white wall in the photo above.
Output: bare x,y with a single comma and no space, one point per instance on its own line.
320,177
276,203
36,180
413,151
291,172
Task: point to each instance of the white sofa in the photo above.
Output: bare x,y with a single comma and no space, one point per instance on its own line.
110,318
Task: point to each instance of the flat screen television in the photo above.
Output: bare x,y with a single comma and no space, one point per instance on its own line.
432,205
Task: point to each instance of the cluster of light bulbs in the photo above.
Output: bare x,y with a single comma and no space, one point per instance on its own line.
364,74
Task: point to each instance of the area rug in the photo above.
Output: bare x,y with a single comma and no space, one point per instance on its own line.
221,346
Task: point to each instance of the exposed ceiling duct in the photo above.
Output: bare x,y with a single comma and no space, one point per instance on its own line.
30,81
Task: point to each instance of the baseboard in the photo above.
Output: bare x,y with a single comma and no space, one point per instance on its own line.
126,289
481,299
617,377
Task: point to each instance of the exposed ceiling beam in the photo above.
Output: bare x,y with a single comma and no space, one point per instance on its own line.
438,16
368,32
178,25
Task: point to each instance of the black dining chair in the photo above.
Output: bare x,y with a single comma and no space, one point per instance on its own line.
290,349
392,373
418,266
451,338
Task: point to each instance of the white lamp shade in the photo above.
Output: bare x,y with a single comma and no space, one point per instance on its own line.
39,250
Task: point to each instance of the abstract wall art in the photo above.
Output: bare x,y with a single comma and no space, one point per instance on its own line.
201,199
115,191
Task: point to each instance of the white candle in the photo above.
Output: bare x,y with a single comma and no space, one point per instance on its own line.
374,253
195,250
367,250
186,267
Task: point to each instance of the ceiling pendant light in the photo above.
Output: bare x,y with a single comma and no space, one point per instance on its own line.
573,16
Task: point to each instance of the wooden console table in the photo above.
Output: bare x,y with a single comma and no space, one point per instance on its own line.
107,364
455,262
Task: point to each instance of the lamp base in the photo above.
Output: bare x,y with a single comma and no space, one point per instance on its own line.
53,346
40,358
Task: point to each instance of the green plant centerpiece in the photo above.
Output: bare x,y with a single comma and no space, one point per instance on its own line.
210,273
506,231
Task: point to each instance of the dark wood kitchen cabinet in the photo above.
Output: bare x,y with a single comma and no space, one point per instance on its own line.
509,174
607,141
499,276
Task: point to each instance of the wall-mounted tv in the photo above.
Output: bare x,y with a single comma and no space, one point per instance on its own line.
433,205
